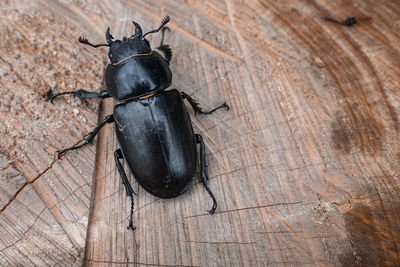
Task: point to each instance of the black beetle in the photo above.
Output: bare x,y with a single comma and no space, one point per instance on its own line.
153,126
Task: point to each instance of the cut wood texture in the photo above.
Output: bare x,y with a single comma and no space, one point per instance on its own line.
305,165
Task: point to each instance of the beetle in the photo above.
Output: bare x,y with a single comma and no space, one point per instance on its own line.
152,124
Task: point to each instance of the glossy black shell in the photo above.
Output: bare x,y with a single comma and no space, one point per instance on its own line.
158,143
138,76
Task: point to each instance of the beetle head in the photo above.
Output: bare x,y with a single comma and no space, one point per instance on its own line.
136,44
120,49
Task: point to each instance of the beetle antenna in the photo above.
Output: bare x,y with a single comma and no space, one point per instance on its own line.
85,41
163,22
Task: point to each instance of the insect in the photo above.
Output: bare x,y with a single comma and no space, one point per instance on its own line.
153,126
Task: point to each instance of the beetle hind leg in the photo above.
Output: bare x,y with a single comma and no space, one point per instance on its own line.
126,183
203,171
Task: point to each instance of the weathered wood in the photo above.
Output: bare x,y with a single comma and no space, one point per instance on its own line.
304,166
44,201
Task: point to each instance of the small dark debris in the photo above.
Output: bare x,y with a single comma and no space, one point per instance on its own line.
349,21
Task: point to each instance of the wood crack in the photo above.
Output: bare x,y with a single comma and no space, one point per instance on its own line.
249,208
218,242
139,263
24,233
33,180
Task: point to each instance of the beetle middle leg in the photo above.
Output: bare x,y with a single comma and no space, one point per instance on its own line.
203,170
90,137
82,94
126,183
196,107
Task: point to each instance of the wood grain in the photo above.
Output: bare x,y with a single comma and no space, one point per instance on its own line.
305,165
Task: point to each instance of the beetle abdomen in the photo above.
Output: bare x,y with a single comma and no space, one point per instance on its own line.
137,76
157,142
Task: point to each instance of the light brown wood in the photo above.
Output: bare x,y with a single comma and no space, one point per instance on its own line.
44,202
304,166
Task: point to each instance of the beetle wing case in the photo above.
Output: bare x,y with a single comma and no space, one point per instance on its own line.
157,142
137,76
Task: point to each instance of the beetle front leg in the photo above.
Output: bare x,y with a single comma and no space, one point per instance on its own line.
203,170
90,137
82,94
126,183
196,107
164,47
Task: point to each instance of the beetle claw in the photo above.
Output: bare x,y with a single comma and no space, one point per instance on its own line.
51,98
56,95
214,207
226,106
212,210
60,153
131,227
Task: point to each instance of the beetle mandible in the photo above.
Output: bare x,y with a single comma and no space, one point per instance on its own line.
153,126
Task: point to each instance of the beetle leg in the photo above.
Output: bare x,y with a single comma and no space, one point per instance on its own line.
88,139
164,47
196,107
203,171
82,94
126,183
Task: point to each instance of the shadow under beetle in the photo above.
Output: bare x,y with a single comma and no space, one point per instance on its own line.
152,125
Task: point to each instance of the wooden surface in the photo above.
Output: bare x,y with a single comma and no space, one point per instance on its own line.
305,165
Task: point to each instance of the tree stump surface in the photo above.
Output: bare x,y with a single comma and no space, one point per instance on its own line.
304,166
